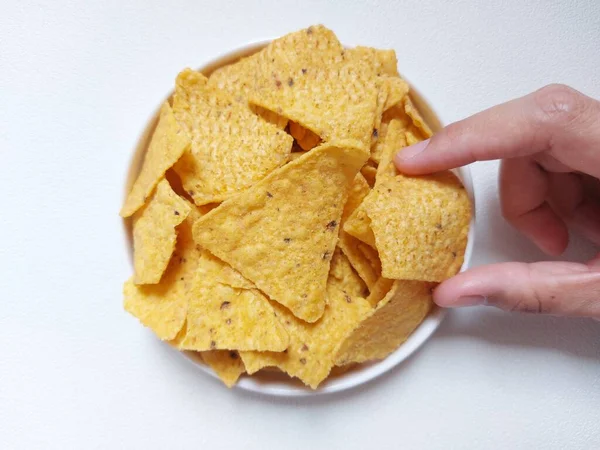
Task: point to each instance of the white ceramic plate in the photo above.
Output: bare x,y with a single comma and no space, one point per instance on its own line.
279,384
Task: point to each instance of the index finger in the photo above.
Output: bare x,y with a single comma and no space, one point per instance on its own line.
520,127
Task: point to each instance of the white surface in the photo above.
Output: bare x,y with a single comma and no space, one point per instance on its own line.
77,83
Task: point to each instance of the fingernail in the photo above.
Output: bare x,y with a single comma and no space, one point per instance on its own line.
412,151
470,300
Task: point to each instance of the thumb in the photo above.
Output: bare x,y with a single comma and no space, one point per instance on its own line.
558,288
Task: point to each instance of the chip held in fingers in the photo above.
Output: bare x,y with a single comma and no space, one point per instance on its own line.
271,230
420,225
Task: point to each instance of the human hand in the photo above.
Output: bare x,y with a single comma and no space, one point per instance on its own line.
549,143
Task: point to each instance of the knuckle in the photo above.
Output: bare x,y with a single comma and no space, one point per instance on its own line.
559,104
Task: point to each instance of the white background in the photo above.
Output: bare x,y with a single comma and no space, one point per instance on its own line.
78,80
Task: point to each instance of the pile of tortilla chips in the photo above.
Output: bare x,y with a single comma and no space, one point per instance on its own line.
270,227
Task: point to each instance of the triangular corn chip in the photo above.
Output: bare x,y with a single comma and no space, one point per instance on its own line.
359,226
349,245
393,142
227,364
231,147
313,346
154,233
358,191
389,325
221,317
344,277
281,233
239,79
168,143
416,117
420,225
379,290
163,307
369,172
324,90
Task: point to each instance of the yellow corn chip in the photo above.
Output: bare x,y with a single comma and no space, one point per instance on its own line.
168,143
222,317
379,290
395,113
221,272
369,172
420,225
281,233
358,191
154,233
227,365
295,155
238,79
416,117
332,95
244,77
394,140
412,135
390,324
381,62
371,254
231,147
397,91
381,101
359,226
344,277
384,64
306,139
163,307
361,264
313,346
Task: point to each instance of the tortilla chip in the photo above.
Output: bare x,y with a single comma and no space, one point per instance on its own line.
281,233
416,117
227,365
306,139
420,225
154,233
395,113
344,277
358,191
163,307
361,264
394,140
168,143
412,135
295,155
332,95
231,147
313,346
359,226
238,80
397,91
369,172
221,317
371,254
379,290
382,62
390,324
